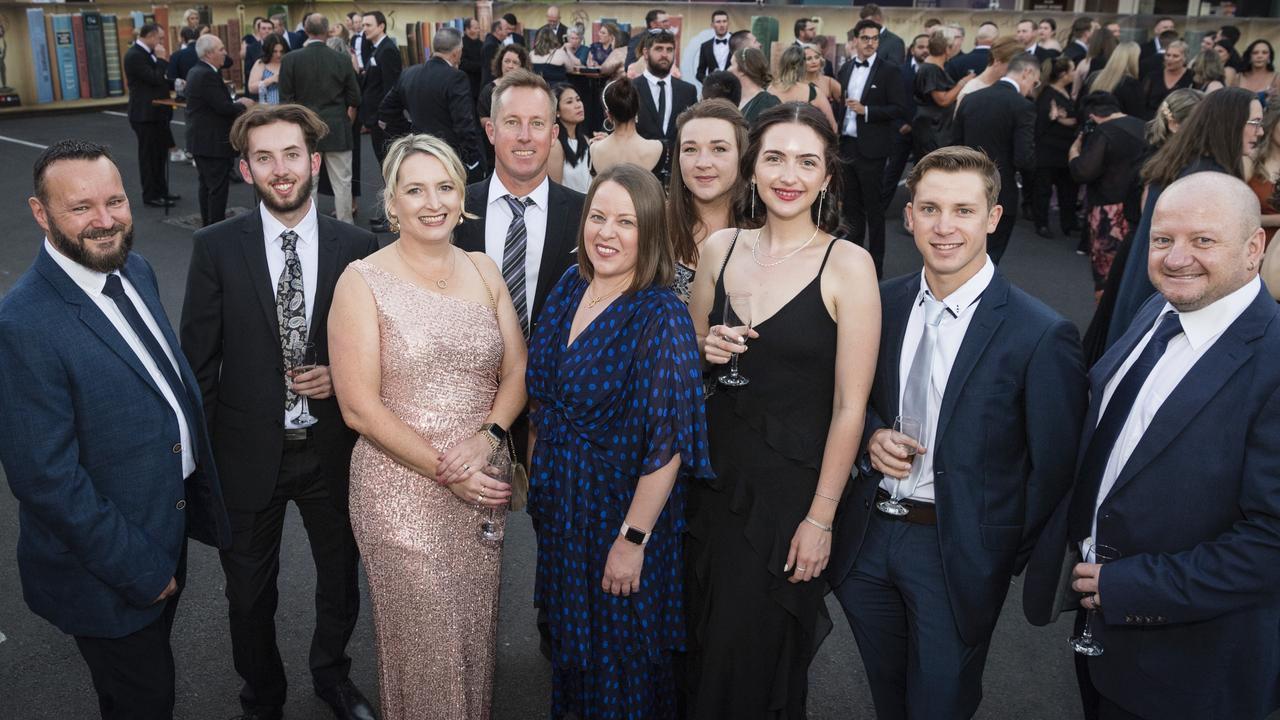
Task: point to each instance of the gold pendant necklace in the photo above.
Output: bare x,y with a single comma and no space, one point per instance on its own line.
442,283
593,301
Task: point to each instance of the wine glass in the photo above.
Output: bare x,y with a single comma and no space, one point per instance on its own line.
302,359
1085,644
912,428
499,469
737,315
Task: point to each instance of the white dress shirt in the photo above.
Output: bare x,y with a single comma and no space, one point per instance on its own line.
721,51
1012,83
654,89
308,249
1200,330
92,283
961,306
497,218
857,82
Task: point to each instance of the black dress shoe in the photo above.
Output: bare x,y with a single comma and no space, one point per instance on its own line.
161,203
347,701
1044,232
173,198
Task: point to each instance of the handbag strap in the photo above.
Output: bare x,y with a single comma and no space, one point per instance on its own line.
488,290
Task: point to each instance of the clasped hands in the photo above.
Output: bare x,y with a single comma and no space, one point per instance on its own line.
465,470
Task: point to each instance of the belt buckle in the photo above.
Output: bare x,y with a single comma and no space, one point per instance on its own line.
295,434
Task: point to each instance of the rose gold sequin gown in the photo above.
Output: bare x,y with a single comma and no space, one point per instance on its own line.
433,581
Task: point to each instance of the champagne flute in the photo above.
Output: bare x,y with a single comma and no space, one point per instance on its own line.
912,428
499,469
302,359
1085,643
737,315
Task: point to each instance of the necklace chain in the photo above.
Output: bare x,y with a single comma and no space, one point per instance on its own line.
755,248
442,283
592,300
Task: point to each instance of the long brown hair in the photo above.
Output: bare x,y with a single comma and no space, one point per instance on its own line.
655,261
1214,130
683,221
805,115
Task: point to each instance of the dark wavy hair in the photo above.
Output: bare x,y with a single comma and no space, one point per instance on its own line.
804,115
520,52
682,217
580,133
1214,130
1271,54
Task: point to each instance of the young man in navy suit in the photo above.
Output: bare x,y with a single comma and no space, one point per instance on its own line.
938,520
1177,476
102,437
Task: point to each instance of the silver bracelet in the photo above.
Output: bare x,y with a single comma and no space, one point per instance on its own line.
815,523
827,497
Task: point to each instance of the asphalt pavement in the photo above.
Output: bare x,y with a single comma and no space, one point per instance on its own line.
1029,671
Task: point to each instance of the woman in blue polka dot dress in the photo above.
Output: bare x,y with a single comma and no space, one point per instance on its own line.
614,380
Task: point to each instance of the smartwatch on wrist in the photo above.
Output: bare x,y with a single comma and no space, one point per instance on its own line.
634,536
494,434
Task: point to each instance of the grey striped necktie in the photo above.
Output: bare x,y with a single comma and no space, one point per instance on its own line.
513,258
291,305
915,395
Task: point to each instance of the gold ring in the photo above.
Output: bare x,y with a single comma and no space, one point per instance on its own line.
801,569
481,495
466,467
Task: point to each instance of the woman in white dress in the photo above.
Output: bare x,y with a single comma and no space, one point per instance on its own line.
570,161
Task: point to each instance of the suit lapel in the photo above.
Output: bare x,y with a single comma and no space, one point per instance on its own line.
648,101
552,245
152,301
986,320
470,236
254,251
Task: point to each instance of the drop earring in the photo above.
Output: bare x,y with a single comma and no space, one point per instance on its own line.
753,198
822,196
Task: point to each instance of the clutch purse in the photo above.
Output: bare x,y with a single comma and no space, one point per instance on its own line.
519,481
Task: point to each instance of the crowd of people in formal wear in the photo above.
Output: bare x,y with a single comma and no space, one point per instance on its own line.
671,346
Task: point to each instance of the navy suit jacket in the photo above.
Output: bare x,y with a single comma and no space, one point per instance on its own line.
1190,613
1003,450
974,61
91,451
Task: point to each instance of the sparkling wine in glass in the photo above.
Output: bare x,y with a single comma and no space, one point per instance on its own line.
302,359
499,469
914,429
737,315
1085,643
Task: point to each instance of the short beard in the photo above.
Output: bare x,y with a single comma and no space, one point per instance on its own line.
302,191
659,71
78,251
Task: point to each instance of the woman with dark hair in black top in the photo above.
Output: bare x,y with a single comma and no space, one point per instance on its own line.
1055,130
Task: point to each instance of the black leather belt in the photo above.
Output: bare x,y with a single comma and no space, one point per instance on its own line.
296,434
918,513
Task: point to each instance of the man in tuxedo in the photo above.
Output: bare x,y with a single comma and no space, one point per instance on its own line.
662,96
499,30
210,111
1081,31
714,54
1176,481
1154,64
553,22
438,99
891,46
102,437
941,517
901,150
258,288
145,63
472,55
876,107
322,80
381,73
1153,46
974,61
515,37
1027,33
1001,121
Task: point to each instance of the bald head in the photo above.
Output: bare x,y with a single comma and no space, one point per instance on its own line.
987,33
1206,240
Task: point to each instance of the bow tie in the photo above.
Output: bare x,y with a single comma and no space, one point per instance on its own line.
861,63
725,41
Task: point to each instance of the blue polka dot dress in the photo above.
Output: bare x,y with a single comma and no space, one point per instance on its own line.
617,404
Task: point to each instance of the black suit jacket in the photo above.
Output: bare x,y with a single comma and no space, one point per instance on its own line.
886,100
648,124
210,112
438,99
487,52
381,72
1043,53
1146,50
892,48
1002,123
232,339
707,60
558,250
974,61
147,82
471,63
1076,52
1019,367
323,80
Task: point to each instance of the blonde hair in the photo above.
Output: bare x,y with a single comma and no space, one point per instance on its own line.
1123,62
426,145
791,66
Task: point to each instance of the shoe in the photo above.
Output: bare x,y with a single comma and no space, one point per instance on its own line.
161,203
346,701
177,155
173,198
1044,232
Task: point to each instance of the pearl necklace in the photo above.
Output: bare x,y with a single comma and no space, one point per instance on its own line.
756,256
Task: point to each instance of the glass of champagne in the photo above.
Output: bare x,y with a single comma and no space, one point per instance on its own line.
302,359
737,315
1085,643
914,429
499,469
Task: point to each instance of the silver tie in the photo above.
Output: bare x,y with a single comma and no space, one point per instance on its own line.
915,396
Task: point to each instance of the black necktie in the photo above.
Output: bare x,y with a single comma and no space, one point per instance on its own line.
115,290
662,106
861,63
1089,481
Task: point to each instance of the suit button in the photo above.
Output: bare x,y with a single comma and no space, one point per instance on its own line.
177,448
1128,618
866,503
1159,618
182,505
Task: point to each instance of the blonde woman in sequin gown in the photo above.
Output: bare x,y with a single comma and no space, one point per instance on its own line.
425,348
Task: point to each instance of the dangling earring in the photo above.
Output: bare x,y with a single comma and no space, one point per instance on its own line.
753,198
822,196
393,222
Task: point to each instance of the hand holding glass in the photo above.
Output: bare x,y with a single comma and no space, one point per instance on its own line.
1085,644
302,359
499,469
913,429
737,315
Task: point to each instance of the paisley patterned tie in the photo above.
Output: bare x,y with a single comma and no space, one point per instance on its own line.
291,306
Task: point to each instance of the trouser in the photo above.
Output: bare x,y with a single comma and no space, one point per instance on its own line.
134,675
998,241
252,566
863,208
897,603
338,165
215,183
381,141
152,154
1047,180
893,168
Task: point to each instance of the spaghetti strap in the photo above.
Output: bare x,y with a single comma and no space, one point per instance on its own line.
823,266
732,244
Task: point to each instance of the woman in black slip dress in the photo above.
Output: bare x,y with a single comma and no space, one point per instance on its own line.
783,445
